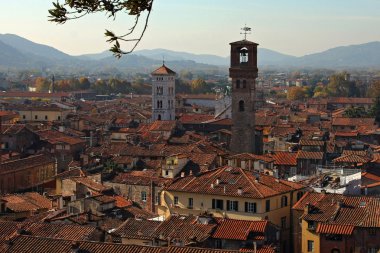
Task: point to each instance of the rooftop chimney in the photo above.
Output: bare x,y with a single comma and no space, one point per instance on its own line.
240,191
212,186
217,181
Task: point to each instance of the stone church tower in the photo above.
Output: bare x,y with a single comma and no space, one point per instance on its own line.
163,94
243,72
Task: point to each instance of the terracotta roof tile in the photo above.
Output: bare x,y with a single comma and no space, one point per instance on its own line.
285,158
309,155
163,70
358,211
335,229
231,179
352,158
238,229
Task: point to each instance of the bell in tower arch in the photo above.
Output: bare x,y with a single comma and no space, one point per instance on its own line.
243,55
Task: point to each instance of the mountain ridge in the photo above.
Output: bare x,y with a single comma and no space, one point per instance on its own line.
18,52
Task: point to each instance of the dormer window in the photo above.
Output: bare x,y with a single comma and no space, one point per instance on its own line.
243,55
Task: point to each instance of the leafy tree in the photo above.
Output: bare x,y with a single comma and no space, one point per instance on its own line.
375,110
308,91
356,112
198,85
296,93
340,87
100,87
84,83
374,90
64,10
42,84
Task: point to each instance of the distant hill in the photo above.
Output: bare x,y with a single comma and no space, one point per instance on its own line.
363,55
31,48
17,52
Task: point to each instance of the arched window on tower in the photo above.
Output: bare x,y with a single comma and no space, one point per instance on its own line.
237,84
244,84
243,55
241,106
158,104
159,117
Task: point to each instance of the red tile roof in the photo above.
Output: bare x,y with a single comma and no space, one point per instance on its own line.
352,158
335,229
346,100
163,70
163,125
358,211
285,158
309,155
195,118
91,184
353,122
238,229
231,179
30,201
25,163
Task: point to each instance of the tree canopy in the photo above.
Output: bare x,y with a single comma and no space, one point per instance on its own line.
296,93
65,10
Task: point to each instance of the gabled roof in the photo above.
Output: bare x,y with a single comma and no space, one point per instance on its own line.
30,201
329,208
163,70
307,142
238,229
137,228
230,181
309,155
285,158
351,158
61,231
335,229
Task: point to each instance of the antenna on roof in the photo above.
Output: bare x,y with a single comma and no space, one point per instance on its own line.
163,60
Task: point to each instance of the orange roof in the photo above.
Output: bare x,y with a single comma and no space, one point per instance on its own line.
238,229
285,158
231,180
346,100
195,118
122,202
335,229
309,155
163,70
353,121
352,158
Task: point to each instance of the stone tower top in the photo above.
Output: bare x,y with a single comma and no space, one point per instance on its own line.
243,58
163,71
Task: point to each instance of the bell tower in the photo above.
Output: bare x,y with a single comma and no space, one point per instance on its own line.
243,72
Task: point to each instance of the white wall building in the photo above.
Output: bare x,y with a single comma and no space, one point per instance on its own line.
163,94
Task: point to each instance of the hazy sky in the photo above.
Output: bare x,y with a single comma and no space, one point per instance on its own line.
207,26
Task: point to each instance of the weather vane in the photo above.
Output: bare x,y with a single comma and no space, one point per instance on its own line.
247,30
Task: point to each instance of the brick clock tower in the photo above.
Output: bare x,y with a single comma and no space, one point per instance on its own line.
243,72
